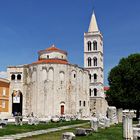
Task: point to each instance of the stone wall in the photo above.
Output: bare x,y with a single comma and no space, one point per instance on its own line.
98,106
48,87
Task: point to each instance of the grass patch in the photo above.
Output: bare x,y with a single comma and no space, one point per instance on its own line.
13,129
112,133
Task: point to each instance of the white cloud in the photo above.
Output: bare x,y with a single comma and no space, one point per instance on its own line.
3,74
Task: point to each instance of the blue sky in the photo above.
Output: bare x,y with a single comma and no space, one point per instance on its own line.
27,26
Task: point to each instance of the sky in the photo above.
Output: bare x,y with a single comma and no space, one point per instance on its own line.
27,26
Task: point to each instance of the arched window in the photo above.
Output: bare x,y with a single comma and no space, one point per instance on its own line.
95,77
79,103
62,76
47,56
50,74
94,61
13,77
44,74
90,77
89,46
90,92
34,76
73,74
81,78
84,103
89,61
94,45
95,92
18,77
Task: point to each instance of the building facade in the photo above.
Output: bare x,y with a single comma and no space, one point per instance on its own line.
51,86
4,96
93,62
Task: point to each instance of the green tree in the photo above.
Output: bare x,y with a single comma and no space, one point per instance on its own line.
124,82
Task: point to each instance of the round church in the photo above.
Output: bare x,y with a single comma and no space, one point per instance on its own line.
50,86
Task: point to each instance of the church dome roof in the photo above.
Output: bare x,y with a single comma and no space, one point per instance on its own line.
52,55
53,48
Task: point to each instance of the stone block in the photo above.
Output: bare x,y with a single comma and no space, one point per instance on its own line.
80,132
136,133
44,120
107,122
88,131
33,121
94,124
67,119
68,136
55,119
103,122
3,122
112,114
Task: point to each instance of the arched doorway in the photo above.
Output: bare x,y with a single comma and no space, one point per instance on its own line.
62,109
16,102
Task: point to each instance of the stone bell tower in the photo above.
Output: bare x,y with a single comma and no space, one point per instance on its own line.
93,61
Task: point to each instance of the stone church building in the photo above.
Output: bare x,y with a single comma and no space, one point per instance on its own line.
52,86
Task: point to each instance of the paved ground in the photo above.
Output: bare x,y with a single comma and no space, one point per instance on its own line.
38,132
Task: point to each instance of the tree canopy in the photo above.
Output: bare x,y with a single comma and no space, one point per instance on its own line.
124,82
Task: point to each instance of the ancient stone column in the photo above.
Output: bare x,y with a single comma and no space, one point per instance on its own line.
112,114
94,124
127,127
107,122
120,115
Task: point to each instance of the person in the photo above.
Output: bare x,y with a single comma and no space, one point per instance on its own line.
32,115
16,119
15,113
20,118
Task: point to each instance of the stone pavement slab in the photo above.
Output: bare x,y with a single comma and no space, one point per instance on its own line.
38,132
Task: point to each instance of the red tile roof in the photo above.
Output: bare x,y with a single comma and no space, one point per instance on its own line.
51,61
106,88
53,49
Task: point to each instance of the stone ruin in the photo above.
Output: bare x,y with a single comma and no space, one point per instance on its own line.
3,122
130,131
98,122
112,115
68,136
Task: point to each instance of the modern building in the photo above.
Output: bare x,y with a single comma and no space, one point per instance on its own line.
4,96
51,86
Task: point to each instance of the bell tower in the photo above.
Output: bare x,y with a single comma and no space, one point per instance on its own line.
93,62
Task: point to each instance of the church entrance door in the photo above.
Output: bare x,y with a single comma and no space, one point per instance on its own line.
62,109
17,103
